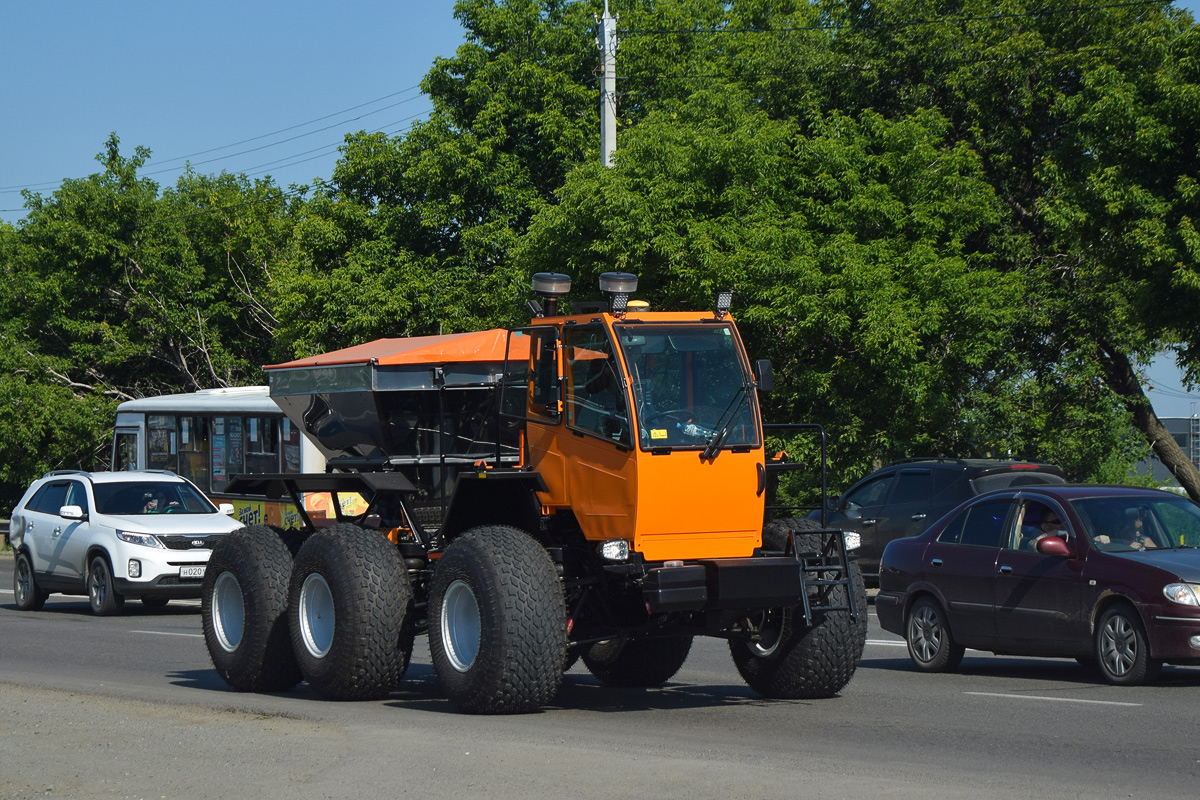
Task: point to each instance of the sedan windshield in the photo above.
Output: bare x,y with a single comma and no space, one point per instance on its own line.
150,497
1122,524
690,386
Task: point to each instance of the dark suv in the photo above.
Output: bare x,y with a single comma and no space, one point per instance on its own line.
906,497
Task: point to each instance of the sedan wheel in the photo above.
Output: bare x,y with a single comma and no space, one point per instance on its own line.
1123,650
930,645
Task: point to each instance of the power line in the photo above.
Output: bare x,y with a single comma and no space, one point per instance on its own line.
51,184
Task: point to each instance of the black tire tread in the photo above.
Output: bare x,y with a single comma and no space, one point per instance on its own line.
523,613
373,600
640,663
809,663
263,661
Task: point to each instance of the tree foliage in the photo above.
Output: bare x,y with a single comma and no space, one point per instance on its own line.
957,229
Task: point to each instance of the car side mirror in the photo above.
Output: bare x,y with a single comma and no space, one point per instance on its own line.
831,502
1053,546
764,375
71,512
226,509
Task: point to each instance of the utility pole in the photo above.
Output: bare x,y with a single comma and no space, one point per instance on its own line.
606,40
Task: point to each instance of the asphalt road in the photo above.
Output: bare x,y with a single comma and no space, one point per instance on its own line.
129,706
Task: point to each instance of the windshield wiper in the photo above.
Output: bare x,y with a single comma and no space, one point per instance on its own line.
725,424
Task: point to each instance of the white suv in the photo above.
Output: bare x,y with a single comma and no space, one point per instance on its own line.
112,534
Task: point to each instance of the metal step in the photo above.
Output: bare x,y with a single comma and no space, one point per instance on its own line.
823,572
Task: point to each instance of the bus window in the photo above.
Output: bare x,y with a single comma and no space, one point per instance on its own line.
162,446
262,445
227,450
125,450
193,450
289,438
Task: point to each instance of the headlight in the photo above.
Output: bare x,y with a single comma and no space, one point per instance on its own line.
615,550
144,539
1185,594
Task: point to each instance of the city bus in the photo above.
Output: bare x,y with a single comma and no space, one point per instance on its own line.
213,434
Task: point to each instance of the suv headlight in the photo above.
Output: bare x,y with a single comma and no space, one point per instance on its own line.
144,539
1185,594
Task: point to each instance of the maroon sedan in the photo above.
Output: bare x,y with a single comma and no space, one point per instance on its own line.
1108,575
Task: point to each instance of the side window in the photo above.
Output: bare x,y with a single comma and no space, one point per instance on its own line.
531,386
162,444
125,450
984,524
871,494
952,533
77,496
1033,521
262,445
595,397
50,498
913,486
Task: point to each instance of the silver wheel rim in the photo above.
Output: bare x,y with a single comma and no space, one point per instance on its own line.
925,634
97,585
316,615
228,612
1118,645
460,625
24,581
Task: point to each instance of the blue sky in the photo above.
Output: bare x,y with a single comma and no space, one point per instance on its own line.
263,87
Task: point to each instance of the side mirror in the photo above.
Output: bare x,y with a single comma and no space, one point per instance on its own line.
831,502
71,512
1053,546
226,509
763,375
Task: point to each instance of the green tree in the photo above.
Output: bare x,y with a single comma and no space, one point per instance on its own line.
413,234
117,292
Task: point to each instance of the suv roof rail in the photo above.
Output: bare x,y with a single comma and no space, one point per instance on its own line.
66,472
939,459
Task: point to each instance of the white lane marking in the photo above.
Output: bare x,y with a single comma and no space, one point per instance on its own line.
886,642
1054,699
170,633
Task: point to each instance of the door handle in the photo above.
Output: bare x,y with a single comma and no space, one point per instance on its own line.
918,516
57,532
937,562
1006,570
869,521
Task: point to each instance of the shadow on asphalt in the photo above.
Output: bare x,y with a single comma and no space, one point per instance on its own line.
1033,668
420,691
80,608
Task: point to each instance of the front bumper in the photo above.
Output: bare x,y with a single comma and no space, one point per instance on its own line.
724,584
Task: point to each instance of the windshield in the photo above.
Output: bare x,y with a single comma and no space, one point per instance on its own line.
1123,524
689,383
133,498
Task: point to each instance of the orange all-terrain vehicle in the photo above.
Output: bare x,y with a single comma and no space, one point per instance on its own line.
592,486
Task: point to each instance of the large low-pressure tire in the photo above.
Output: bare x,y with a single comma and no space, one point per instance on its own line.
637,662
1122,649
790,660
25,588
243,610
497,622
931,645
350,610
102,595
